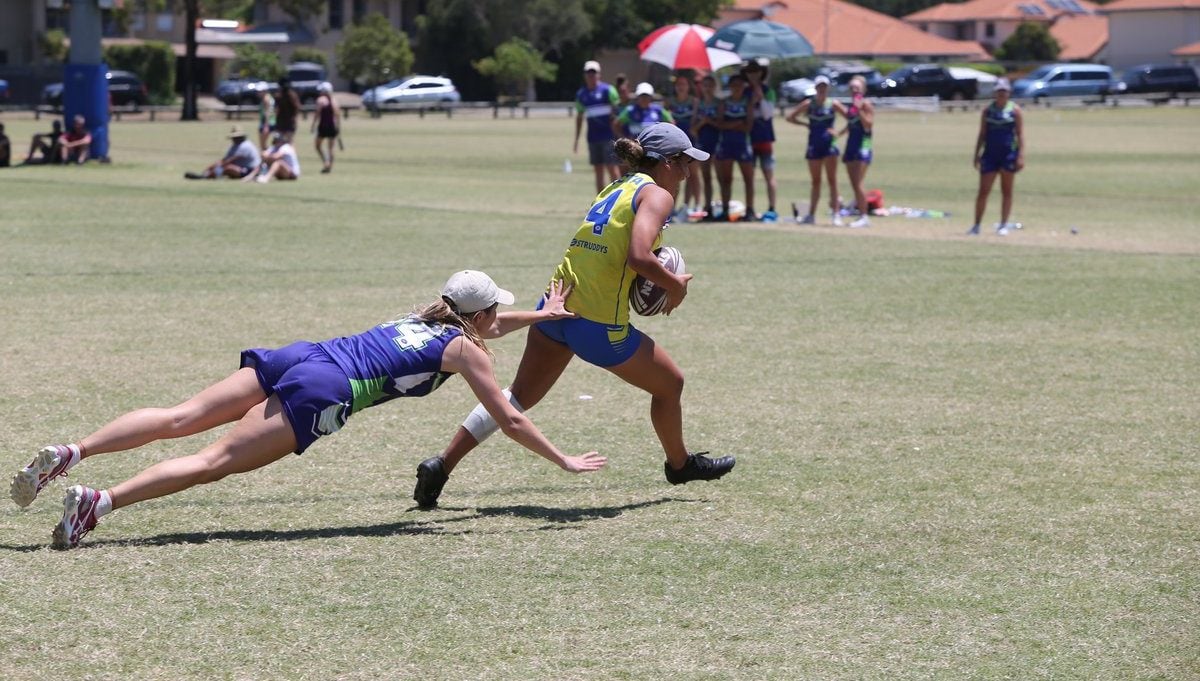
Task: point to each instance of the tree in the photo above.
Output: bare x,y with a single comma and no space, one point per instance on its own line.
310,54
299,10
53,45
516,63
1030,42
252,62
373,51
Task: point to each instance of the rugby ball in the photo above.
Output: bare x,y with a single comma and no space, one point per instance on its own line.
648,298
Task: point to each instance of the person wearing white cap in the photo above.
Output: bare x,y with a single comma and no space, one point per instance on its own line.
822,152
326,122
614,244
641,113
597,102
284,399
1002,142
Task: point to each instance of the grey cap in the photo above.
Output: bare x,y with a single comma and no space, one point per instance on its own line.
664,140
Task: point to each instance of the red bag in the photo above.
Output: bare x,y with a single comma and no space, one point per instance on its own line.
874,199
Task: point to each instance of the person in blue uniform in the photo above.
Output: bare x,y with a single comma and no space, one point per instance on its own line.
762,133
735,120
822,151
860,125
1002,141
284,399
596,102
682,106
707,134
641,113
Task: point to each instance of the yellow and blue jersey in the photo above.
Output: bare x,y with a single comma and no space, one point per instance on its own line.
595,264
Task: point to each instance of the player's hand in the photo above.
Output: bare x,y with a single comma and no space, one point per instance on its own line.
1020,162
977,163
554,300
675,298
583,464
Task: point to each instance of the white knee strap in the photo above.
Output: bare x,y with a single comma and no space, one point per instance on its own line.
480,423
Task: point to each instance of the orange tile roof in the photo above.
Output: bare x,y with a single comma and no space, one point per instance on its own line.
1137,5
985,10
854,30
1192,50
1081,36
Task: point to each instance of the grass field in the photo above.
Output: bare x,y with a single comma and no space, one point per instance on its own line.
957,458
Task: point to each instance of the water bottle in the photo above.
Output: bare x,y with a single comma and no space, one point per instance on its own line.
567,166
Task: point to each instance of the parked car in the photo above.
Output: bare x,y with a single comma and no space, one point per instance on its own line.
925,80
427,89
124,88
799,89
985,83
3,90
306,78
1168,78
243,90
1064,80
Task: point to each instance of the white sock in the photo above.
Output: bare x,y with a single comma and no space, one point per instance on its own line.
104,505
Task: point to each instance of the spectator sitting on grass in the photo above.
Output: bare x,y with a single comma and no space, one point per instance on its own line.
5,149
241,160
280,160
77,142
46,145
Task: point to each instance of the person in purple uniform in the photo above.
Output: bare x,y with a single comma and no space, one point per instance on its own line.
735,118
641,113
822,152
999,150
284,399
596,102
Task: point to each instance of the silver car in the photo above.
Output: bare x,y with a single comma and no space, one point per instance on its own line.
417,89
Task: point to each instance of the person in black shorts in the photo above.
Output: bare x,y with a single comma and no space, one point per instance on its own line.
327,123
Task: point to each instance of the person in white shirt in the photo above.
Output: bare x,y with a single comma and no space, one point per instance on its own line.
280,160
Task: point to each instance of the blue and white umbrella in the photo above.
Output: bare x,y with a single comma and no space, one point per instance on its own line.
759,38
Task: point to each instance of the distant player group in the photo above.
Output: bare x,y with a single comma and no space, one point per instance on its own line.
738,129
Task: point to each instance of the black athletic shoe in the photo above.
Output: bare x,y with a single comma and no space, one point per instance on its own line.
699,467
193,176
431,477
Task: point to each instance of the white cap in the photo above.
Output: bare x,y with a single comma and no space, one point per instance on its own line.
591,65
643,89
1003,84
325,87
821,80
470,291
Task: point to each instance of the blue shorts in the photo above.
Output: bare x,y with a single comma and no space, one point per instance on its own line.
857,154
989,163
708,139
315,392
819,150
735,150
605,345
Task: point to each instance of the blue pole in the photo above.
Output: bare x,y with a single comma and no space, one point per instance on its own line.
85,76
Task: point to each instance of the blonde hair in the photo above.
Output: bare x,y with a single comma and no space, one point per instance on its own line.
440,312
861,81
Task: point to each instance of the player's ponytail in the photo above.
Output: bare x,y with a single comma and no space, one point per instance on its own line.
440,312
630,151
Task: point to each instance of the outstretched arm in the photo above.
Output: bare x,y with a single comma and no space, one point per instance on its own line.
464,357
552,308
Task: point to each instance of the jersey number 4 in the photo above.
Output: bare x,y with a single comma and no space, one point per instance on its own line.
411,336
601,212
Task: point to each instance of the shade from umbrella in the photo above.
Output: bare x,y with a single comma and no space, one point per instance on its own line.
760,38
682,46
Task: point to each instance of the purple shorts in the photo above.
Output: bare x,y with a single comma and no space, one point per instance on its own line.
315,392
991,163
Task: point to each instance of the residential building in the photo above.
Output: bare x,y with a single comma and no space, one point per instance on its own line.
843,30
1080,31
1147,31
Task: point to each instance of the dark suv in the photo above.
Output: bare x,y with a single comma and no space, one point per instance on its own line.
1168,78
306,78
927,79
124,88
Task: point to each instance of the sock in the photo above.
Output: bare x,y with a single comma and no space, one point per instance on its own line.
75,456
104,505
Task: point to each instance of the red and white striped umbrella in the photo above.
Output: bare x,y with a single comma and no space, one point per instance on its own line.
681,46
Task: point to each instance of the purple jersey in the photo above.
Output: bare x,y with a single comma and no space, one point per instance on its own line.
402,358
597,107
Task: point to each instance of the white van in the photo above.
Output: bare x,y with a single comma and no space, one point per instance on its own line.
1058,80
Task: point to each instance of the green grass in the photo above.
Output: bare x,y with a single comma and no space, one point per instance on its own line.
958,458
